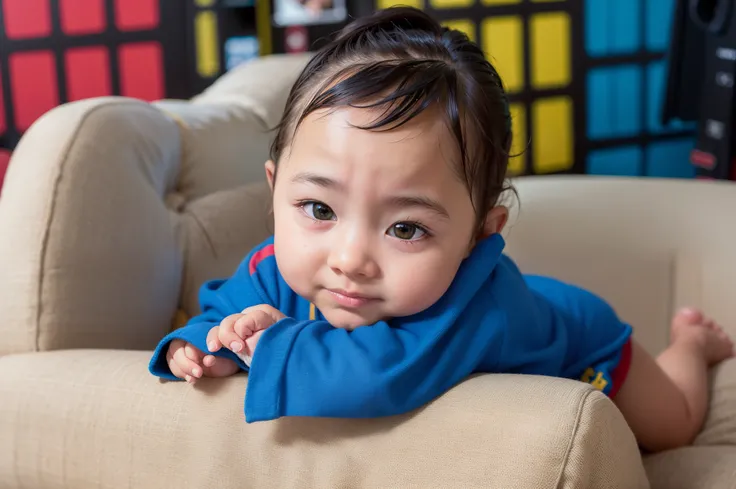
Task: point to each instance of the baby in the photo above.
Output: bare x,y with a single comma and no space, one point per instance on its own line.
387,173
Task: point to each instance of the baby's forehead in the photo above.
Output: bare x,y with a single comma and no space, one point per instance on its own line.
349,129
420,153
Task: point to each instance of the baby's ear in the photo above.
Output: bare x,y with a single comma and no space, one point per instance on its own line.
495,221
270,173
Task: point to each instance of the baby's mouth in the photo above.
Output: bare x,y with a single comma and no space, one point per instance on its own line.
350,300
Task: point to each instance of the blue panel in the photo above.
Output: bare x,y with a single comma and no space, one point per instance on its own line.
626,161
598,104
596,27
612,27
627,100
670,159
626,25
655,94
659,24
240,50
614,102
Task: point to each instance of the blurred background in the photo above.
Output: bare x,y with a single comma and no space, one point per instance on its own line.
588,78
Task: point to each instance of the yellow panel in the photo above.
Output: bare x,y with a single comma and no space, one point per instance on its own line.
204,3
205,33
503,43
381,4
263,27
553,134
550,50
451,3
464,25
520,140
499,2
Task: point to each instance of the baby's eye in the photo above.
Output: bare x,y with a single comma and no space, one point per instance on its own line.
319,211
406,231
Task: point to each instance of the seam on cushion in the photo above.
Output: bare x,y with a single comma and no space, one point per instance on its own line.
52,210
573,436
183,127
187,213
202,228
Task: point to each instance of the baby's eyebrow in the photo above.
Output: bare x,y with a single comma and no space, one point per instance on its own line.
419,201
319,180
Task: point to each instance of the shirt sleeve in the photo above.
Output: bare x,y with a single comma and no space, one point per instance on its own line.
254,282
309,368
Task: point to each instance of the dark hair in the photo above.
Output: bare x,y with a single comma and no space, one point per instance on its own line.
404,61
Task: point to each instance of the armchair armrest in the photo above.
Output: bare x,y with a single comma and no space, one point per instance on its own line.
491,431
88,253
102,206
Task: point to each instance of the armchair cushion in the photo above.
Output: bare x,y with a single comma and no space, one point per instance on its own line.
107,420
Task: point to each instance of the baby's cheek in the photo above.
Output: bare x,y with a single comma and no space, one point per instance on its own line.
421,289
295,269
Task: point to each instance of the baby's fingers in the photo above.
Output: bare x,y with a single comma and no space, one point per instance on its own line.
191,369
213,341
176,371
245,326
227,335
209,360
194,355
253,322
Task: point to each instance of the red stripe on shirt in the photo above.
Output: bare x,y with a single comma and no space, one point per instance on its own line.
622,370
259,256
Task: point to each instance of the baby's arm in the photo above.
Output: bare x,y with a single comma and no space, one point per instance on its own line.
249,286
309,368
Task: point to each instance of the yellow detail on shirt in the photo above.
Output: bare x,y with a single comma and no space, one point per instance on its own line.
595,379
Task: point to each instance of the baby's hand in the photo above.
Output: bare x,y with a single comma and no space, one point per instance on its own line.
235,330
189,363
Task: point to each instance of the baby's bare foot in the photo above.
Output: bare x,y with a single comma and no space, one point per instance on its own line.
691,326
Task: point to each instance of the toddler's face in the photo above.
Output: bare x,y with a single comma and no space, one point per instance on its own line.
370,225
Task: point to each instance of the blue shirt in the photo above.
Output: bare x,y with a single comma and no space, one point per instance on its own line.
491,319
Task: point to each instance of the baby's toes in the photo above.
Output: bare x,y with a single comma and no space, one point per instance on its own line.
686,318
691,315
728,338
723,335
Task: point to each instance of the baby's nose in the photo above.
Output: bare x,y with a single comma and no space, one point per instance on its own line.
354,258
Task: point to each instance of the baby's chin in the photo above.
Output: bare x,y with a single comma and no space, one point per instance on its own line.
349,320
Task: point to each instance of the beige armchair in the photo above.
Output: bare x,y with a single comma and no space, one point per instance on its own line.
114,212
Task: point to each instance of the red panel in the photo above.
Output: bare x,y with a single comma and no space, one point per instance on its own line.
297,39
87,73
26,18
3,125
82,16
141,70
4,161
137,15
34,86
